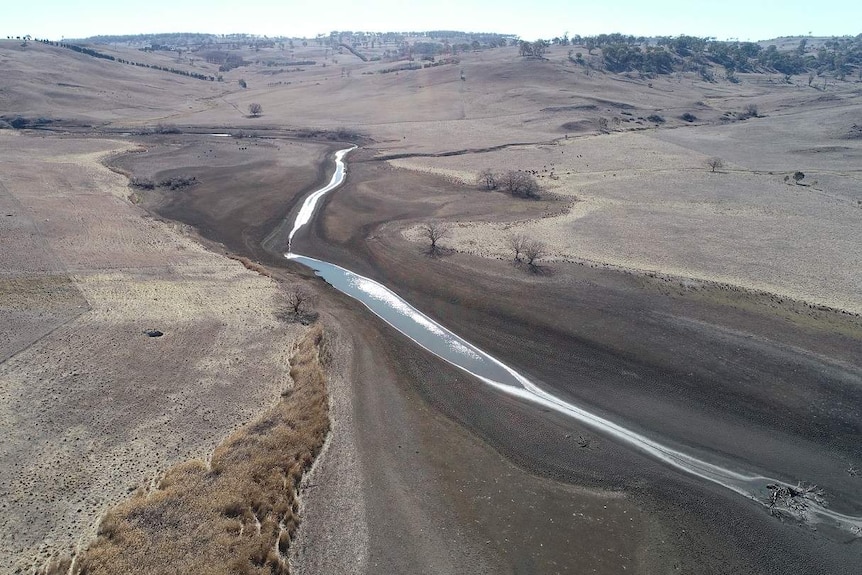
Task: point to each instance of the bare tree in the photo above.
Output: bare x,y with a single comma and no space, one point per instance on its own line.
487,179
715,163
434,232
602,123
520,184
517,243
298,306
533,251
255,109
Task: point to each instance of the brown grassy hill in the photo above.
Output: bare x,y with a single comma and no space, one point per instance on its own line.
60,84
613,148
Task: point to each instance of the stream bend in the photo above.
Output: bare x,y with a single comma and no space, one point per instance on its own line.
453,349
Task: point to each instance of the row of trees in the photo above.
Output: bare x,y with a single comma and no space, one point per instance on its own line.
96,54
517,183
626,58
664,55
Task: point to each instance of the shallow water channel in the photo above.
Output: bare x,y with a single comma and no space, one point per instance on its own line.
440,341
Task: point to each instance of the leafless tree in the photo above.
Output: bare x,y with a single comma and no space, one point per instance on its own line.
434,232
533,251
518,242
715,163
602,123
298,303
487,179
255,109
520,184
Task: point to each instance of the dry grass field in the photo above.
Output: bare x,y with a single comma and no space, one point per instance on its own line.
238,510
109,431
92,408
647,201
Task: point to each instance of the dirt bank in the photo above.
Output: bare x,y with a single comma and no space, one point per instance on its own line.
91,407
713,372
727,376
450,501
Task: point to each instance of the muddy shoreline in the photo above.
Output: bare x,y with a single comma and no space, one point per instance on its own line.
589,323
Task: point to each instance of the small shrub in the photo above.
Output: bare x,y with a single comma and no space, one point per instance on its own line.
602,124
167,129
689,117
142,183
655,118
347,134
178,182
750,111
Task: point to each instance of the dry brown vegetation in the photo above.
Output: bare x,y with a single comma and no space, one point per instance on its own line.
645,202
235,515
253,266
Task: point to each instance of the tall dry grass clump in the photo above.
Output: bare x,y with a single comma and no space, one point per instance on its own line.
236,516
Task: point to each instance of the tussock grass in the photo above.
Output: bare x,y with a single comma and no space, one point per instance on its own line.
237,515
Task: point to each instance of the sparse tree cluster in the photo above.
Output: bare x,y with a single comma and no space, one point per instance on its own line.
519,184
535,49
173,183
527,248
